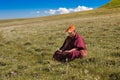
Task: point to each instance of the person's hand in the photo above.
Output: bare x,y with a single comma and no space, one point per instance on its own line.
67,51
59,50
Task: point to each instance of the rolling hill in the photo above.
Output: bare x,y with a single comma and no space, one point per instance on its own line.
112,4
27,46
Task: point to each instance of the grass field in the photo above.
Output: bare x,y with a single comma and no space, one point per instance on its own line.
27,47
112,4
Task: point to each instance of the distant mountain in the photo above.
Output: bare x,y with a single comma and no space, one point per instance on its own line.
112,4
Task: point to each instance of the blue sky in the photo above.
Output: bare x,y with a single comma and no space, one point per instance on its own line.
35,8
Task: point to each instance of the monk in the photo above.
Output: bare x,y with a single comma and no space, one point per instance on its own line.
72,48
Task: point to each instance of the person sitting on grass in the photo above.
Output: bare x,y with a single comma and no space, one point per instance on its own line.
72,48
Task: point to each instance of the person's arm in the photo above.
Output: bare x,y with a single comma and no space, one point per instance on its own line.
71,50
80,44
62,48
64,45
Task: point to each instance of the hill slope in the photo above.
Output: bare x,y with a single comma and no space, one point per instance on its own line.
112,4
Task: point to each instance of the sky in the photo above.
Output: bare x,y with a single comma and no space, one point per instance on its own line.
10,9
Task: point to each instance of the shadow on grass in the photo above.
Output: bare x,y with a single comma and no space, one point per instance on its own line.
112,63
9,42
12,74
2,64
114,76
1,44
27,43
35,74
22,67
115,54
90,60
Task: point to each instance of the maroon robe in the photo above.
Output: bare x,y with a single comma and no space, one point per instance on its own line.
71,42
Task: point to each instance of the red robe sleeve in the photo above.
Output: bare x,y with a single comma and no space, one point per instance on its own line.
79,43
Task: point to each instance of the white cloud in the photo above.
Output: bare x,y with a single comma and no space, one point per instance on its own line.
36,13
65,10
82,8
51,11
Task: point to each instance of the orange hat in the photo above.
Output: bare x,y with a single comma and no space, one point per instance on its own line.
71,28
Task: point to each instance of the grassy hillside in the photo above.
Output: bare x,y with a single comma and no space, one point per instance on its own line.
27,46
112,4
